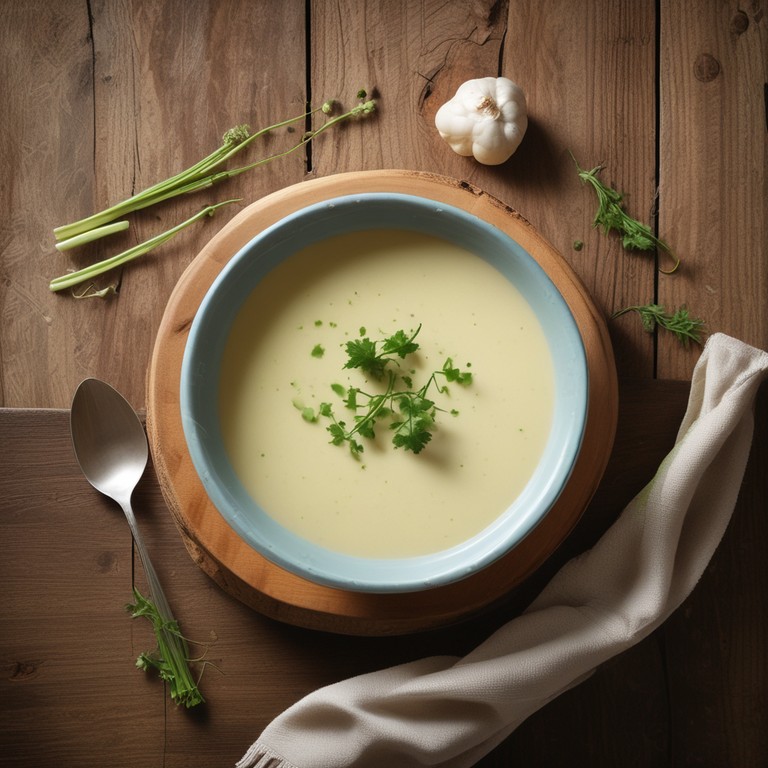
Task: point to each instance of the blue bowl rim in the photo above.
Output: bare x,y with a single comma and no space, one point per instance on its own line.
309,560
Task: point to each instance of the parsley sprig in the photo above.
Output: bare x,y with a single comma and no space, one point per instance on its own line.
363,353
409,412
679,322
612,216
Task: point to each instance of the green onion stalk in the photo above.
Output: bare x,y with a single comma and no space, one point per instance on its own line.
94,270
201,175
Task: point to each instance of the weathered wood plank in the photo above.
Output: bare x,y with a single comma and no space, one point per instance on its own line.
714,170
582,727
110,101
46,156
401,50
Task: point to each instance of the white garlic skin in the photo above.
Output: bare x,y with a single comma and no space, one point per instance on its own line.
486,119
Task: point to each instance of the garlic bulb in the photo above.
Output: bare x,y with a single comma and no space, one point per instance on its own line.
487,119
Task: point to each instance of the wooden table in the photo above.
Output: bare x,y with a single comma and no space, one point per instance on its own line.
102,99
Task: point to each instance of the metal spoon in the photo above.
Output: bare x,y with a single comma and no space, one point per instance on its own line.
111,449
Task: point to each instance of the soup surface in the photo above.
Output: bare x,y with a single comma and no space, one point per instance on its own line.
286,349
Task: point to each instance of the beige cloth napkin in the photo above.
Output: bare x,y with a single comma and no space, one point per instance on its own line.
449,712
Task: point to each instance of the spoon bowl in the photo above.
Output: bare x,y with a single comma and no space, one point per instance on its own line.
109,440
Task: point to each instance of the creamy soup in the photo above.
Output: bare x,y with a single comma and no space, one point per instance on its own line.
389,503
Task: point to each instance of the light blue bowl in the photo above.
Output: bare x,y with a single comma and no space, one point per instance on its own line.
200,397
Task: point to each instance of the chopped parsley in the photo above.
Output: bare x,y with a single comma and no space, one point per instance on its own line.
409,412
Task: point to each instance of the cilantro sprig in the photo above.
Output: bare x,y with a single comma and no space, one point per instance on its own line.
409,412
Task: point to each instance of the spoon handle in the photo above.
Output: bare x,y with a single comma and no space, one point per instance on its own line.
156,591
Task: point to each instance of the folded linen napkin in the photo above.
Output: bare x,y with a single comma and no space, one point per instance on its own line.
448,711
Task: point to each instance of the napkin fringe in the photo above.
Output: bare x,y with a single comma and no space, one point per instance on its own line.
261,756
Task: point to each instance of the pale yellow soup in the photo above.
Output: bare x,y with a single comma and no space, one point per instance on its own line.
391,502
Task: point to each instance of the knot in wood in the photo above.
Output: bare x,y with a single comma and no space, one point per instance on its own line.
706,68
739,23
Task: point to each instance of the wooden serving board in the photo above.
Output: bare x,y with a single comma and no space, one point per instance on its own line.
254,580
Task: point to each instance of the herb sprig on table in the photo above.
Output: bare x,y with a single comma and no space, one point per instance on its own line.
171,657
408,411
635,235
679,322
612,216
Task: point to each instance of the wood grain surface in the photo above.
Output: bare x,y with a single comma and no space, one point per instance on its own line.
102,98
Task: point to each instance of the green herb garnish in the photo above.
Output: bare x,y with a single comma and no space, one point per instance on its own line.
612,216
364,353
171,657
680,322
410,413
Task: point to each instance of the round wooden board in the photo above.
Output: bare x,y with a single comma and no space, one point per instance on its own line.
249,577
